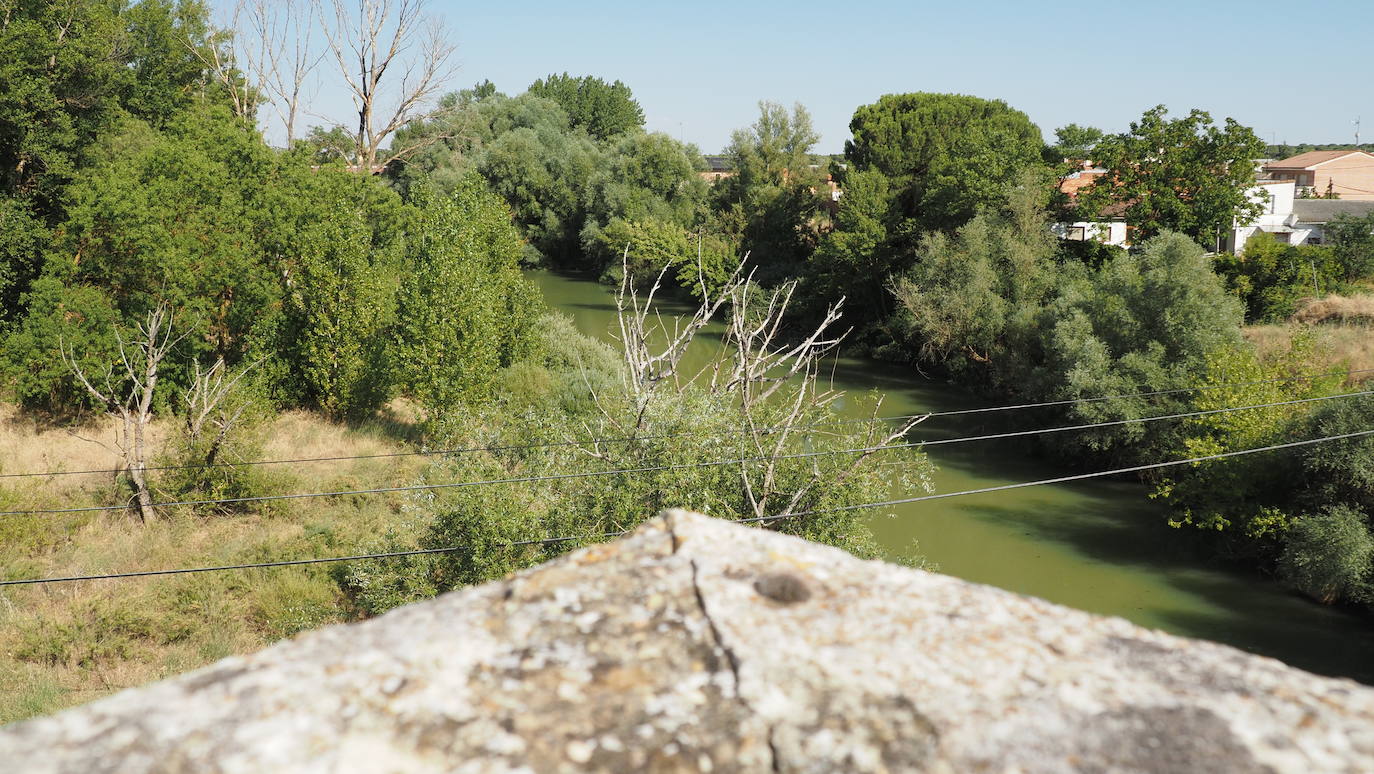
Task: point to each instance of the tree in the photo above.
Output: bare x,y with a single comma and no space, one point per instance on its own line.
1330,555
129,396
340,302
1352,239
182,215
70,72
465,310
946,154
272,42
1146,321
372,45
605,110
771,201
1186,175
973,299
1074,143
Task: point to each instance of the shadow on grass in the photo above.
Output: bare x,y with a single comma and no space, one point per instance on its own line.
398,421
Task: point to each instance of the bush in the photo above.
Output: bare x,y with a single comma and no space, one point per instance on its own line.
465,310
1329,554
223,421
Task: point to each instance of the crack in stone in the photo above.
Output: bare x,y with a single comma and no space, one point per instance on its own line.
775,764
733,661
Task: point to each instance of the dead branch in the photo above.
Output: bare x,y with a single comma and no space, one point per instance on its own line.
130,398
371,43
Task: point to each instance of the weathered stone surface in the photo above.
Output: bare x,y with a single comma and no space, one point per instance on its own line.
696,645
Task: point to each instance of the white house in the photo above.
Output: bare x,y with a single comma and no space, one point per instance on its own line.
1292,220
1109,232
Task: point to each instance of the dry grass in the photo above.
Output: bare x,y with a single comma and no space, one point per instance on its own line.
1343,309
1333,346
64,644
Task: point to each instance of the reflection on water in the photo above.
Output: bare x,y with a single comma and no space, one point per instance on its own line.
1096,545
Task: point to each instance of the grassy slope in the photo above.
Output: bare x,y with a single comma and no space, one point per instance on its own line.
66,644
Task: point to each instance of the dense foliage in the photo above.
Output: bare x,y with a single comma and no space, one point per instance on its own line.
603,109
130,182
1186,175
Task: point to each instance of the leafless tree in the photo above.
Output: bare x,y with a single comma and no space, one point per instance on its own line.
129,396
757,363
280,55
210,410
394,58
264,54
223,57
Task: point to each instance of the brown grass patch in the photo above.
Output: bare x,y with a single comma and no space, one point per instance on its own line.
64,644
1333,346
1334,308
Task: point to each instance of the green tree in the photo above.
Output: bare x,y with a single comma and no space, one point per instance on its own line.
176,216
770,204
78,318
1330,555
1147,321
855,260
1271,277
1074,142
603,109
339,305
69,73
946,154
974,299
1352,239
545,176
465,310
1186,174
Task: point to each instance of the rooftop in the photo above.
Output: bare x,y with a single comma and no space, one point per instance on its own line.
1326,210
1313,158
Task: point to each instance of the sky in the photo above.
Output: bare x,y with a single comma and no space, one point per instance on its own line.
1294,72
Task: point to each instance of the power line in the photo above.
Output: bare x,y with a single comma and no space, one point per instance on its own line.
1058,480
660,436
680,466
460,484
1185,415
756,519
1153,393
295,562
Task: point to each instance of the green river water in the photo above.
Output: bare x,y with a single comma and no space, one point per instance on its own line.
1097,545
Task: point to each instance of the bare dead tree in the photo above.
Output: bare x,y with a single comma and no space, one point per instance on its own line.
129,397
264,55
210,410
395,59
278,51
757,365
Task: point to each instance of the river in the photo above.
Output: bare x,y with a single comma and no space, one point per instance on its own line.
1096,545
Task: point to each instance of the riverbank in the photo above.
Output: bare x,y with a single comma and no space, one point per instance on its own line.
1101,546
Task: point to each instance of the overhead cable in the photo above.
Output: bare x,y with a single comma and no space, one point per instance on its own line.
680,466
756,519
1057,480
660,436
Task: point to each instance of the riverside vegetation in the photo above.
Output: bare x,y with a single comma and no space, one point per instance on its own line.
310,310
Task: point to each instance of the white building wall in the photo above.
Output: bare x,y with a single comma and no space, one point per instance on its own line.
1277,199
1109,232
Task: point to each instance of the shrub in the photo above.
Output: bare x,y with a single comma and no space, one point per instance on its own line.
1328,555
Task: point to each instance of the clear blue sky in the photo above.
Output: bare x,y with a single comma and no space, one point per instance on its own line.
1296,72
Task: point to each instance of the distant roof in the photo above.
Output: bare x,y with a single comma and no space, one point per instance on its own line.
1313,158
718,163
1325,210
